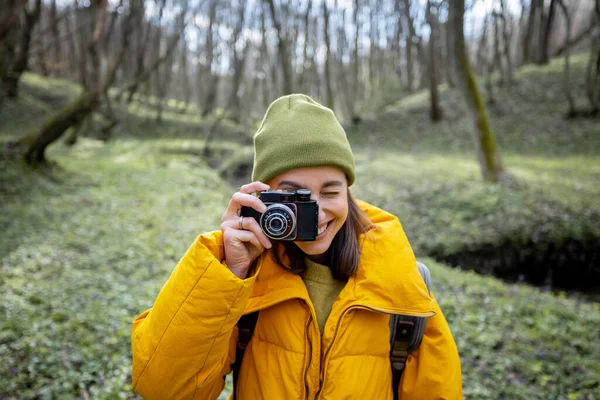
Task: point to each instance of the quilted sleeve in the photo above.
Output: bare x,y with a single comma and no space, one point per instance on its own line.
433,370
183,346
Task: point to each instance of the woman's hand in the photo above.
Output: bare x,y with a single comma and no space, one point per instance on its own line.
243,239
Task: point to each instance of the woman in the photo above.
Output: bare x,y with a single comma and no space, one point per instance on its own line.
324,305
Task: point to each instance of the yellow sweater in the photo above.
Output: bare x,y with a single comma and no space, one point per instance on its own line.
322,288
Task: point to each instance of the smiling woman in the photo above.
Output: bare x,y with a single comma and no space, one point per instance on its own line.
323,306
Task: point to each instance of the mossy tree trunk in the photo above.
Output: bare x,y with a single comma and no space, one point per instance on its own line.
78,130
39,138
483,137
33,144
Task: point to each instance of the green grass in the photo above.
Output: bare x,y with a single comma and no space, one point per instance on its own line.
87,245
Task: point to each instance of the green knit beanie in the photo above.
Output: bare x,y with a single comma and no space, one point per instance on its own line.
298,132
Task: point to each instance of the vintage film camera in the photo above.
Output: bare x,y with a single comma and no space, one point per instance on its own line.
290,215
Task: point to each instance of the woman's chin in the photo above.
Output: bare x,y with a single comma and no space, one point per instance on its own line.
314,249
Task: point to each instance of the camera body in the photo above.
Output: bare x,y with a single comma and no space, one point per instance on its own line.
290,215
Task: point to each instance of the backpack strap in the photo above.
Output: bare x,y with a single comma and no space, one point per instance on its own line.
246,326
406,334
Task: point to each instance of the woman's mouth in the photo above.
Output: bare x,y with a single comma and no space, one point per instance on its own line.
322,229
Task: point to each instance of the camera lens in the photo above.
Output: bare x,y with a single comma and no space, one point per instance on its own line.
278,221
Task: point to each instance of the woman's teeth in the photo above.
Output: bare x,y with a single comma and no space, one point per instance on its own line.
322,228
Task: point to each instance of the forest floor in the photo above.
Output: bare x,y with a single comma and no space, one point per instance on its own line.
87,244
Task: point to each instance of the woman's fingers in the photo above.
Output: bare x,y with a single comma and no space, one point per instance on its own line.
248,224
239,200
244,237
254,187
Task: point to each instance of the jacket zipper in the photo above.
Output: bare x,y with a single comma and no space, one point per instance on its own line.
310,319
309,357
339,321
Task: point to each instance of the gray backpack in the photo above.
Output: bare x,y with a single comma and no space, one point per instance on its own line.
406,333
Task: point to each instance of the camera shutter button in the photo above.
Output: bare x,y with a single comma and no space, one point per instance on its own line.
303,194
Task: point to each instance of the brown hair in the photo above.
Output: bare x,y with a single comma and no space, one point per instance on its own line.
343,255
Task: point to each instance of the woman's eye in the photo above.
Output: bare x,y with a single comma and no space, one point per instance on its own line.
330,194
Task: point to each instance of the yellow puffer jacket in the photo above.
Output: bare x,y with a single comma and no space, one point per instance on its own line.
184,345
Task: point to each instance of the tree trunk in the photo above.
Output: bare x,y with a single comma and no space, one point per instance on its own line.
238,64
396,48
355,62
497,54
566,72
141,49
484,139
19,64
302,77
481,62
71,43
344,85
39,138
283,51
329,101
593,67
450,74
436,111
265,62
545,50
55,36
506,39
76,131
213,81
9,32
529,40
409,47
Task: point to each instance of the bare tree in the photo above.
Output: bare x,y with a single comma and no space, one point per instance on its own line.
484,138
141,47
306,65
566,72
532,33
213,80
283,51
54,28
9,28
395,47
506,41
239,46
593,67
329,101
544,54
410,43
29,17
432,20
355,63
266,64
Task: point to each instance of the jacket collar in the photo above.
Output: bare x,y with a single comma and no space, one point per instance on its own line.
387,279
